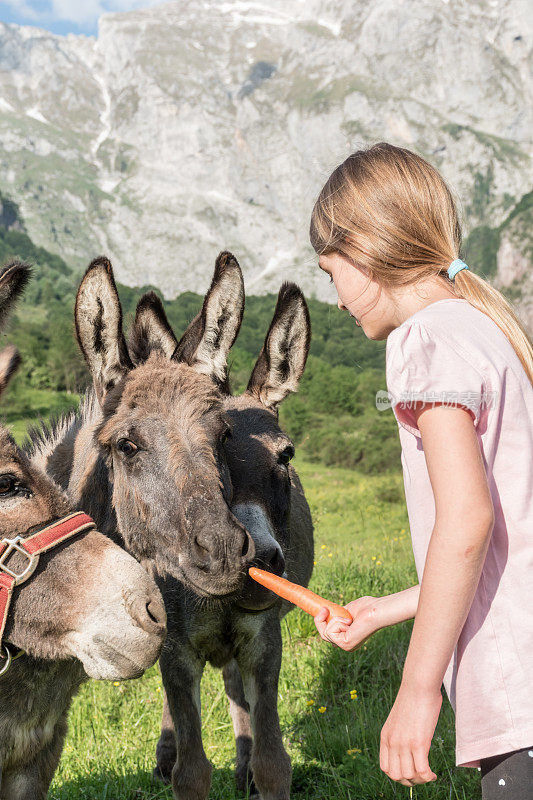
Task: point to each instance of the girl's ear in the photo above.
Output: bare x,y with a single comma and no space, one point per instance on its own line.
98,317
151,330
207,341
13,278
282,360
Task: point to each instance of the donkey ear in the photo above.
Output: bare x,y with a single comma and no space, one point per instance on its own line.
9,362
98,317
150,330
208,339
282,360
13,278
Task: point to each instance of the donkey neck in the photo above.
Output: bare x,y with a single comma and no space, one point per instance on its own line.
34,695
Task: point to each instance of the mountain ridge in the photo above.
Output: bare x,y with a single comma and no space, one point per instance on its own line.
187,128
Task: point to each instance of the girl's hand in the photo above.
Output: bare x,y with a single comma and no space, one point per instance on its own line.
369,615
407,734
366,621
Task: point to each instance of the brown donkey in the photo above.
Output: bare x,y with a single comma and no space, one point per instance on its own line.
144,454
88,608
243,637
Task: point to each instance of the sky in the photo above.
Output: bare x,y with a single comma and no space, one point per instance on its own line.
65,16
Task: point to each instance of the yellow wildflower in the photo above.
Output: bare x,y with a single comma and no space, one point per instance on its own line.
373,558
330,555
323,547
310,702
116,683
322,709
378,563
353,694
354,751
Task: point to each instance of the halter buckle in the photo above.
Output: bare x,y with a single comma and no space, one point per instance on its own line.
8,657
12,546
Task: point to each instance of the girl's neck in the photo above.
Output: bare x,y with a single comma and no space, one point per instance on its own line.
410,300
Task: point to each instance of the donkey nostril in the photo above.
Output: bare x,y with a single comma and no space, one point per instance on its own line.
149,614
277,563
246,545
155,612
152,612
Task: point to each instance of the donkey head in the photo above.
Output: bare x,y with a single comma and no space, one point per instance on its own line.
257,451
87,598
162,433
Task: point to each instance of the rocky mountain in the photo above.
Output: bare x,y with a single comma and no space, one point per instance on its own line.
190,127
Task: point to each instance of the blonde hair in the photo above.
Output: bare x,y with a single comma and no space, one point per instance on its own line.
392,214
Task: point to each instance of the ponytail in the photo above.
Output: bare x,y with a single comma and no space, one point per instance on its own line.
486,298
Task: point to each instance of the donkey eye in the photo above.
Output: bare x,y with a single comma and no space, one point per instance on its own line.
8,486
286,455
127,447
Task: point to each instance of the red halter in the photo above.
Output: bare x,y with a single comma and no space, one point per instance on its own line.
31,548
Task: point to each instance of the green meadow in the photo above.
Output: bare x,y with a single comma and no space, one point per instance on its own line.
332,704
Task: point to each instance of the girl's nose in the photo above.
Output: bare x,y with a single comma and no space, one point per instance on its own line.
340,305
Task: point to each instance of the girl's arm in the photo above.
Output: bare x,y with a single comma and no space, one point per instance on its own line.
369,615
464,519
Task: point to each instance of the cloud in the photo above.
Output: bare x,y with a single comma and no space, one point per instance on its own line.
83,13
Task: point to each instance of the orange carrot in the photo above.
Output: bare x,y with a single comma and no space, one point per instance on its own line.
299,595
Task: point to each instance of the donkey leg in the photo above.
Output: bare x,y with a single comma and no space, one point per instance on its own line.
240,716
165,751
191,774
260,664
33,781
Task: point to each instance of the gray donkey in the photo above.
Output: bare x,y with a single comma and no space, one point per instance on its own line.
242,636
144,455
83,608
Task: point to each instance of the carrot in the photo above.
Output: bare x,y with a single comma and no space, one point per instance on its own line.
299,595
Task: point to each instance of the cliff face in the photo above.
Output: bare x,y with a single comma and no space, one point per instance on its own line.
191,127
514,275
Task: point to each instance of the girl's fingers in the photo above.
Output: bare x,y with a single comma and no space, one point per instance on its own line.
395,765
333,631
321,622
384,756
336,627
408,770
423,770
384,752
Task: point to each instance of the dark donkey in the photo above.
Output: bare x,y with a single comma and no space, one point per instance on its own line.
144,454
87,609
243,637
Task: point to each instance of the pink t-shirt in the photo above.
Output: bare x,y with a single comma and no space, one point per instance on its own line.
450,351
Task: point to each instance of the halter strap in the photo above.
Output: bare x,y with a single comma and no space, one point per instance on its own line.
31,547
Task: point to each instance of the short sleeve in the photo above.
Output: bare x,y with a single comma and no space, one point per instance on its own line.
423,367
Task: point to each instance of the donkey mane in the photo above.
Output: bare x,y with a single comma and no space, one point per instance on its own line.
43,438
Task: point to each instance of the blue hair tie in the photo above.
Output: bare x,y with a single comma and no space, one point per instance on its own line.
455,267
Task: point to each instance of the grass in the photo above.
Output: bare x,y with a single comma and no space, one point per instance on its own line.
362,547
30,407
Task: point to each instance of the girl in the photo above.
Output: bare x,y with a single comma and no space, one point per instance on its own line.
459,366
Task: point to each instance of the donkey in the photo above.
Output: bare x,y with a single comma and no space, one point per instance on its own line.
244,636
144,455
84,608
